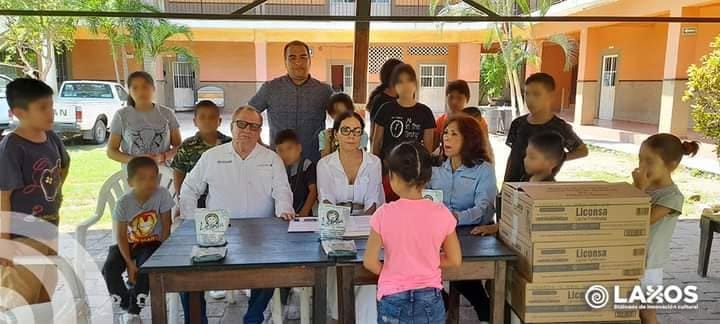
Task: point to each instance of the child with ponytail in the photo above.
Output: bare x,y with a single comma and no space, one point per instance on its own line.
660,155
412,230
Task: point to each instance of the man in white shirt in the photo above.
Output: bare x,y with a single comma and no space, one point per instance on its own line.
245,178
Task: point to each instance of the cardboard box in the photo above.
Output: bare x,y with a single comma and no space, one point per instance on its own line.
565,302
552,212
577,260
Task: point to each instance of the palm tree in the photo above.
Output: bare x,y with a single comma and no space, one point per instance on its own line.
108,26
148,37
514,49
151,41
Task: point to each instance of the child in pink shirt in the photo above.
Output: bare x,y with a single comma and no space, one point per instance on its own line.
412,230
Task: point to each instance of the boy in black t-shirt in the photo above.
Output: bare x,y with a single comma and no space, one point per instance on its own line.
539,89
33,168
301,172
401,120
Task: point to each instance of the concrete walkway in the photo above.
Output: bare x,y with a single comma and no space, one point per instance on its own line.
627,137
681,271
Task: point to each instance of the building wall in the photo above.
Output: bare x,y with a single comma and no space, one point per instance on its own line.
640,67
323,55
92,60
223,61
232,65
553,63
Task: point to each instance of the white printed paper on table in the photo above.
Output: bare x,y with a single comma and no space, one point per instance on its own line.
333,220
434,195
304,225
210,226
357,226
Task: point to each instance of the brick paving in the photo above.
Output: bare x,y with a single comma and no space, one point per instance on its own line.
682,270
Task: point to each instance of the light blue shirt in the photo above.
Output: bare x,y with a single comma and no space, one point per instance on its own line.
468,192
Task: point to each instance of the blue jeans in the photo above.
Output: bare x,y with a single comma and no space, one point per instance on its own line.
412,307
185,298
259,299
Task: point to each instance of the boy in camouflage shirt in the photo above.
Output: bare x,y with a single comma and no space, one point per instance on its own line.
207,120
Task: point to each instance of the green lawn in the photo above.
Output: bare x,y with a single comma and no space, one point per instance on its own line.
90,167
607,165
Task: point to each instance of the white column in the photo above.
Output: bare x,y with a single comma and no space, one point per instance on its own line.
587,86
260,59
674,113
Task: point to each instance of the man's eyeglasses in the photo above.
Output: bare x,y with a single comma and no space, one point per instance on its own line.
243,124
357,131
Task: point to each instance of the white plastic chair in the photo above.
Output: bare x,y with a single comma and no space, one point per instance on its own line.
113,188
78,312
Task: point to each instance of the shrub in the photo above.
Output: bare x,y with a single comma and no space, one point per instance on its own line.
703,91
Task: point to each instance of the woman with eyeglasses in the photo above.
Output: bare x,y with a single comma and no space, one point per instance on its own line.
338,104
351,177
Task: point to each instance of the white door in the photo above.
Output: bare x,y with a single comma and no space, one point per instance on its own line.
607,87
433,78
183,85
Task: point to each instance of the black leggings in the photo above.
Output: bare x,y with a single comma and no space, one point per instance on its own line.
475,293
115,266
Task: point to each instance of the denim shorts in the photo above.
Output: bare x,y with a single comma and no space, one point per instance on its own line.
419,306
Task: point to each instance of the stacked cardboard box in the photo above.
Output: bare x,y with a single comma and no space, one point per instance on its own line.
570,236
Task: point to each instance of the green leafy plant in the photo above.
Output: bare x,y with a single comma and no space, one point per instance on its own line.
515,50
147,37
703,92
33,40
493,76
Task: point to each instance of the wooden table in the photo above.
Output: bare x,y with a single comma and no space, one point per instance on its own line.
484,258
261,254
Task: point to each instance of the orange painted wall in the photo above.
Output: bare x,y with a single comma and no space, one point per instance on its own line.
223,61
693,47
342,53
638,60
553,63
468,61
91,60
323,55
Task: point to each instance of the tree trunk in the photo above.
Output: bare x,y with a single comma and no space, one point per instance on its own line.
47,63
511,81
113,53
522,109
124,56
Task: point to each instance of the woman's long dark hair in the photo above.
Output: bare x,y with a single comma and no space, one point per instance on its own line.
385,73
473,150
135,76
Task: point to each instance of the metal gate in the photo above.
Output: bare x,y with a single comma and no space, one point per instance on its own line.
183,85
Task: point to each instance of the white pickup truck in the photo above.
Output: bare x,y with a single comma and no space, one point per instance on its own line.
87,107
5,115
